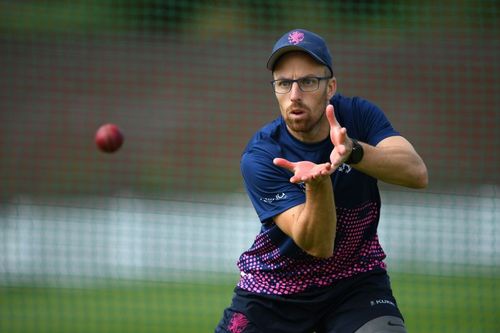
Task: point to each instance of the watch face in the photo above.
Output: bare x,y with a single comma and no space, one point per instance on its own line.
356,153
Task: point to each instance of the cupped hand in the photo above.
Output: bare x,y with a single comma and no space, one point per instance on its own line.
305,171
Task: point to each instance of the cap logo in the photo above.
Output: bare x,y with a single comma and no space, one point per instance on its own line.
295,37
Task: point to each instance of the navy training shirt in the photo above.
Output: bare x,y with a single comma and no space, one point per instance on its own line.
274,264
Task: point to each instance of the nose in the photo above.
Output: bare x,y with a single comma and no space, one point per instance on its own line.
295,92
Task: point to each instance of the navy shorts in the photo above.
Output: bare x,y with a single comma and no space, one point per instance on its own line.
342,308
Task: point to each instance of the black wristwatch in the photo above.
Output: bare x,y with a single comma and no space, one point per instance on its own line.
356,154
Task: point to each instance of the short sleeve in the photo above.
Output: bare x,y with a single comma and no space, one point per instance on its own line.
371,122
268,186
363,119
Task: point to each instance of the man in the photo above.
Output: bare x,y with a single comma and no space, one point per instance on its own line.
311,174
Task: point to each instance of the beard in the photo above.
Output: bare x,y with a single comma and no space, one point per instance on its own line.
301,119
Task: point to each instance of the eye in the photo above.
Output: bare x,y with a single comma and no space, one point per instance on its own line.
308,82
283,83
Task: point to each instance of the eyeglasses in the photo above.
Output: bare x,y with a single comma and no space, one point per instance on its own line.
306,84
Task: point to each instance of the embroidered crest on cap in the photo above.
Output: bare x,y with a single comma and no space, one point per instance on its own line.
295,37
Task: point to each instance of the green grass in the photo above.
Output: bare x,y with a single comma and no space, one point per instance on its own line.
448,304
430,304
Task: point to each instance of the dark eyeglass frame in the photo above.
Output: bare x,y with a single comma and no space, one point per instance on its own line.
299,80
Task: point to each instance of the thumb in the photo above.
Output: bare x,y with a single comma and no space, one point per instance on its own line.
330,115
284,163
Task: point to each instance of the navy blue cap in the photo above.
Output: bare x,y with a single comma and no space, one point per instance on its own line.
301,40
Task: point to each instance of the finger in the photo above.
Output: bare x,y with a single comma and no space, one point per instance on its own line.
336,158
323,170
327,170
337,133
330,115
284,163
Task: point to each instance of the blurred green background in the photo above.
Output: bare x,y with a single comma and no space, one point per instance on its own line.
146,239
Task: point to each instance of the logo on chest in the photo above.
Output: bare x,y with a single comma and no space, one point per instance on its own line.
344,168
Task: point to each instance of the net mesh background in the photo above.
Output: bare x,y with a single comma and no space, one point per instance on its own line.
146,239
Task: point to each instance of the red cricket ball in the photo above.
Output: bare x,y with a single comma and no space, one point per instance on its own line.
109,138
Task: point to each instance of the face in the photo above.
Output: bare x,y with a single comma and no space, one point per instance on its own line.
304,112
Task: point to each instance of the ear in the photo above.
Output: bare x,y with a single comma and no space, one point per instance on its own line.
332,87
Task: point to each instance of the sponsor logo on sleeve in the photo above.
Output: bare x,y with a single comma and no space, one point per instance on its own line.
277,197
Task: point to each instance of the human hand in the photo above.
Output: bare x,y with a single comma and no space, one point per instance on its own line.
339,138
305,171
